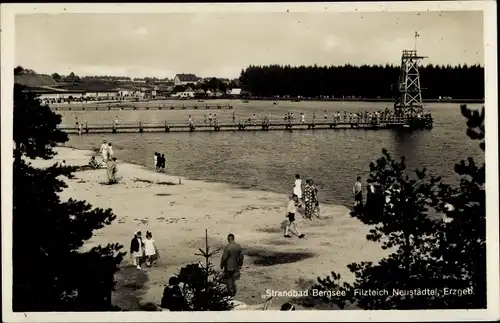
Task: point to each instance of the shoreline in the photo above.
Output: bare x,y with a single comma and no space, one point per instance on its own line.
178,214
184,177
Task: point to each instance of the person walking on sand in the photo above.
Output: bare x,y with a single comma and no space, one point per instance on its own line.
297,188
358,195
111,170
104,151
308,200
163,162
150,250
316,209
136,249
291,210
231,263
156,160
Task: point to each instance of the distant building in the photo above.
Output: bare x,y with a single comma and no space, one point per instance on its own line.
183,79
235,92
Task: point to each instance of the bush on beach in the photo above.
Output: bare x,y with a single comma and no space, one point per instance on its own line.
424,253
50,271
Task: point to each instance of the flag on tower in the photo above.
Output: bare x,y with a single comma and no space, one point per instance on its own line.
416,35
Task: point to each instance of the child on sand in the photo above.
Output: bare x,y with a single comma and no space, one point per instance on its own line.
136,248
150,250
291,210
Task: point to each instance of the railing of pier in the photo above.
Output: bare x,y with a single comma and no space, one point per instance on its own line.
238,121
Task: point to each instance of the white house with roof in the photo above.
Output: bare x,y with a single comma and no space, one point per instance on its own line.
183,79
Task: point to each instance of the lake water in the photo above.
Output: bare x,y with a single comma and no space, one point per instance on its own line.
269,160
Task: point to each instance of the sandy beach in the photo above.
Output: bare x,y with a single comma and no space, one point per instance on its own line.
178,214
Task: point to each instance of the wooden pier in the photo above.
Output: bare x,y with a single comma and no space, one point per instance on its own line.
390,123
145,106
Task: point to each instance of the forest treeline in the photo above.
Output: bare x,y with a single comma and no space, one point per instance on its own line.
366,81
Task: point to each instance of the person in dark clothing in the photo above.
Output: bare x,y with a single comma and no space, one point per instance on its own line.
231,262
158,161
369,206
136,249
173,299
163,162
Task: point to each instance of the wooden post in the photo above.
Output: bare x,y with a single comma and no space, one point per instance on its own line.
86,127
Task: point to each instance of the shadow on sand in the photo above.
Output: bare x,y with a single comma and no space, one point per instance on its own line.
262,257
129,288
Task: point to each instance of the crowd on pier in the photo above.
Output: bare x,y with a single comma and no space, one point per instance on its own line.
380,116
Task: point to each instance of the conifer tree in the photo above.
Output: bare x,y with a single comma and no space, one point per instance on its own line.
424,253
51,269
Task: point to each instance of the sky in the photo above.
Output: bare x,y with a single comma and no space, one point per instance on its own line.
222,44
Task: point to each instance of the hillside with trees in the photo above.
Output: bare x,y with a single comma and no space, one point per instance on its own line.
366,81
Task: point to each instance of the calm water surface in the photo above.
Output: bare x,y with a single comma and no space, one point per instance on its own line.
269,160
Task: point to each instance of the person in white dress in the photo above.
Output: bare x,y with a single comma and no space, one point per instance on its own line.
104,151
150,250
297,188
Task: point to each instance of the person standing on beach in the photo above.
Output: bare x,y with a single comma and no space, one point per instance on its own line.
316,209
136,247
104,151
163,162
111,170
231,263
308,200
358,195
210,118
291,210
297,188
110,150
156,160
